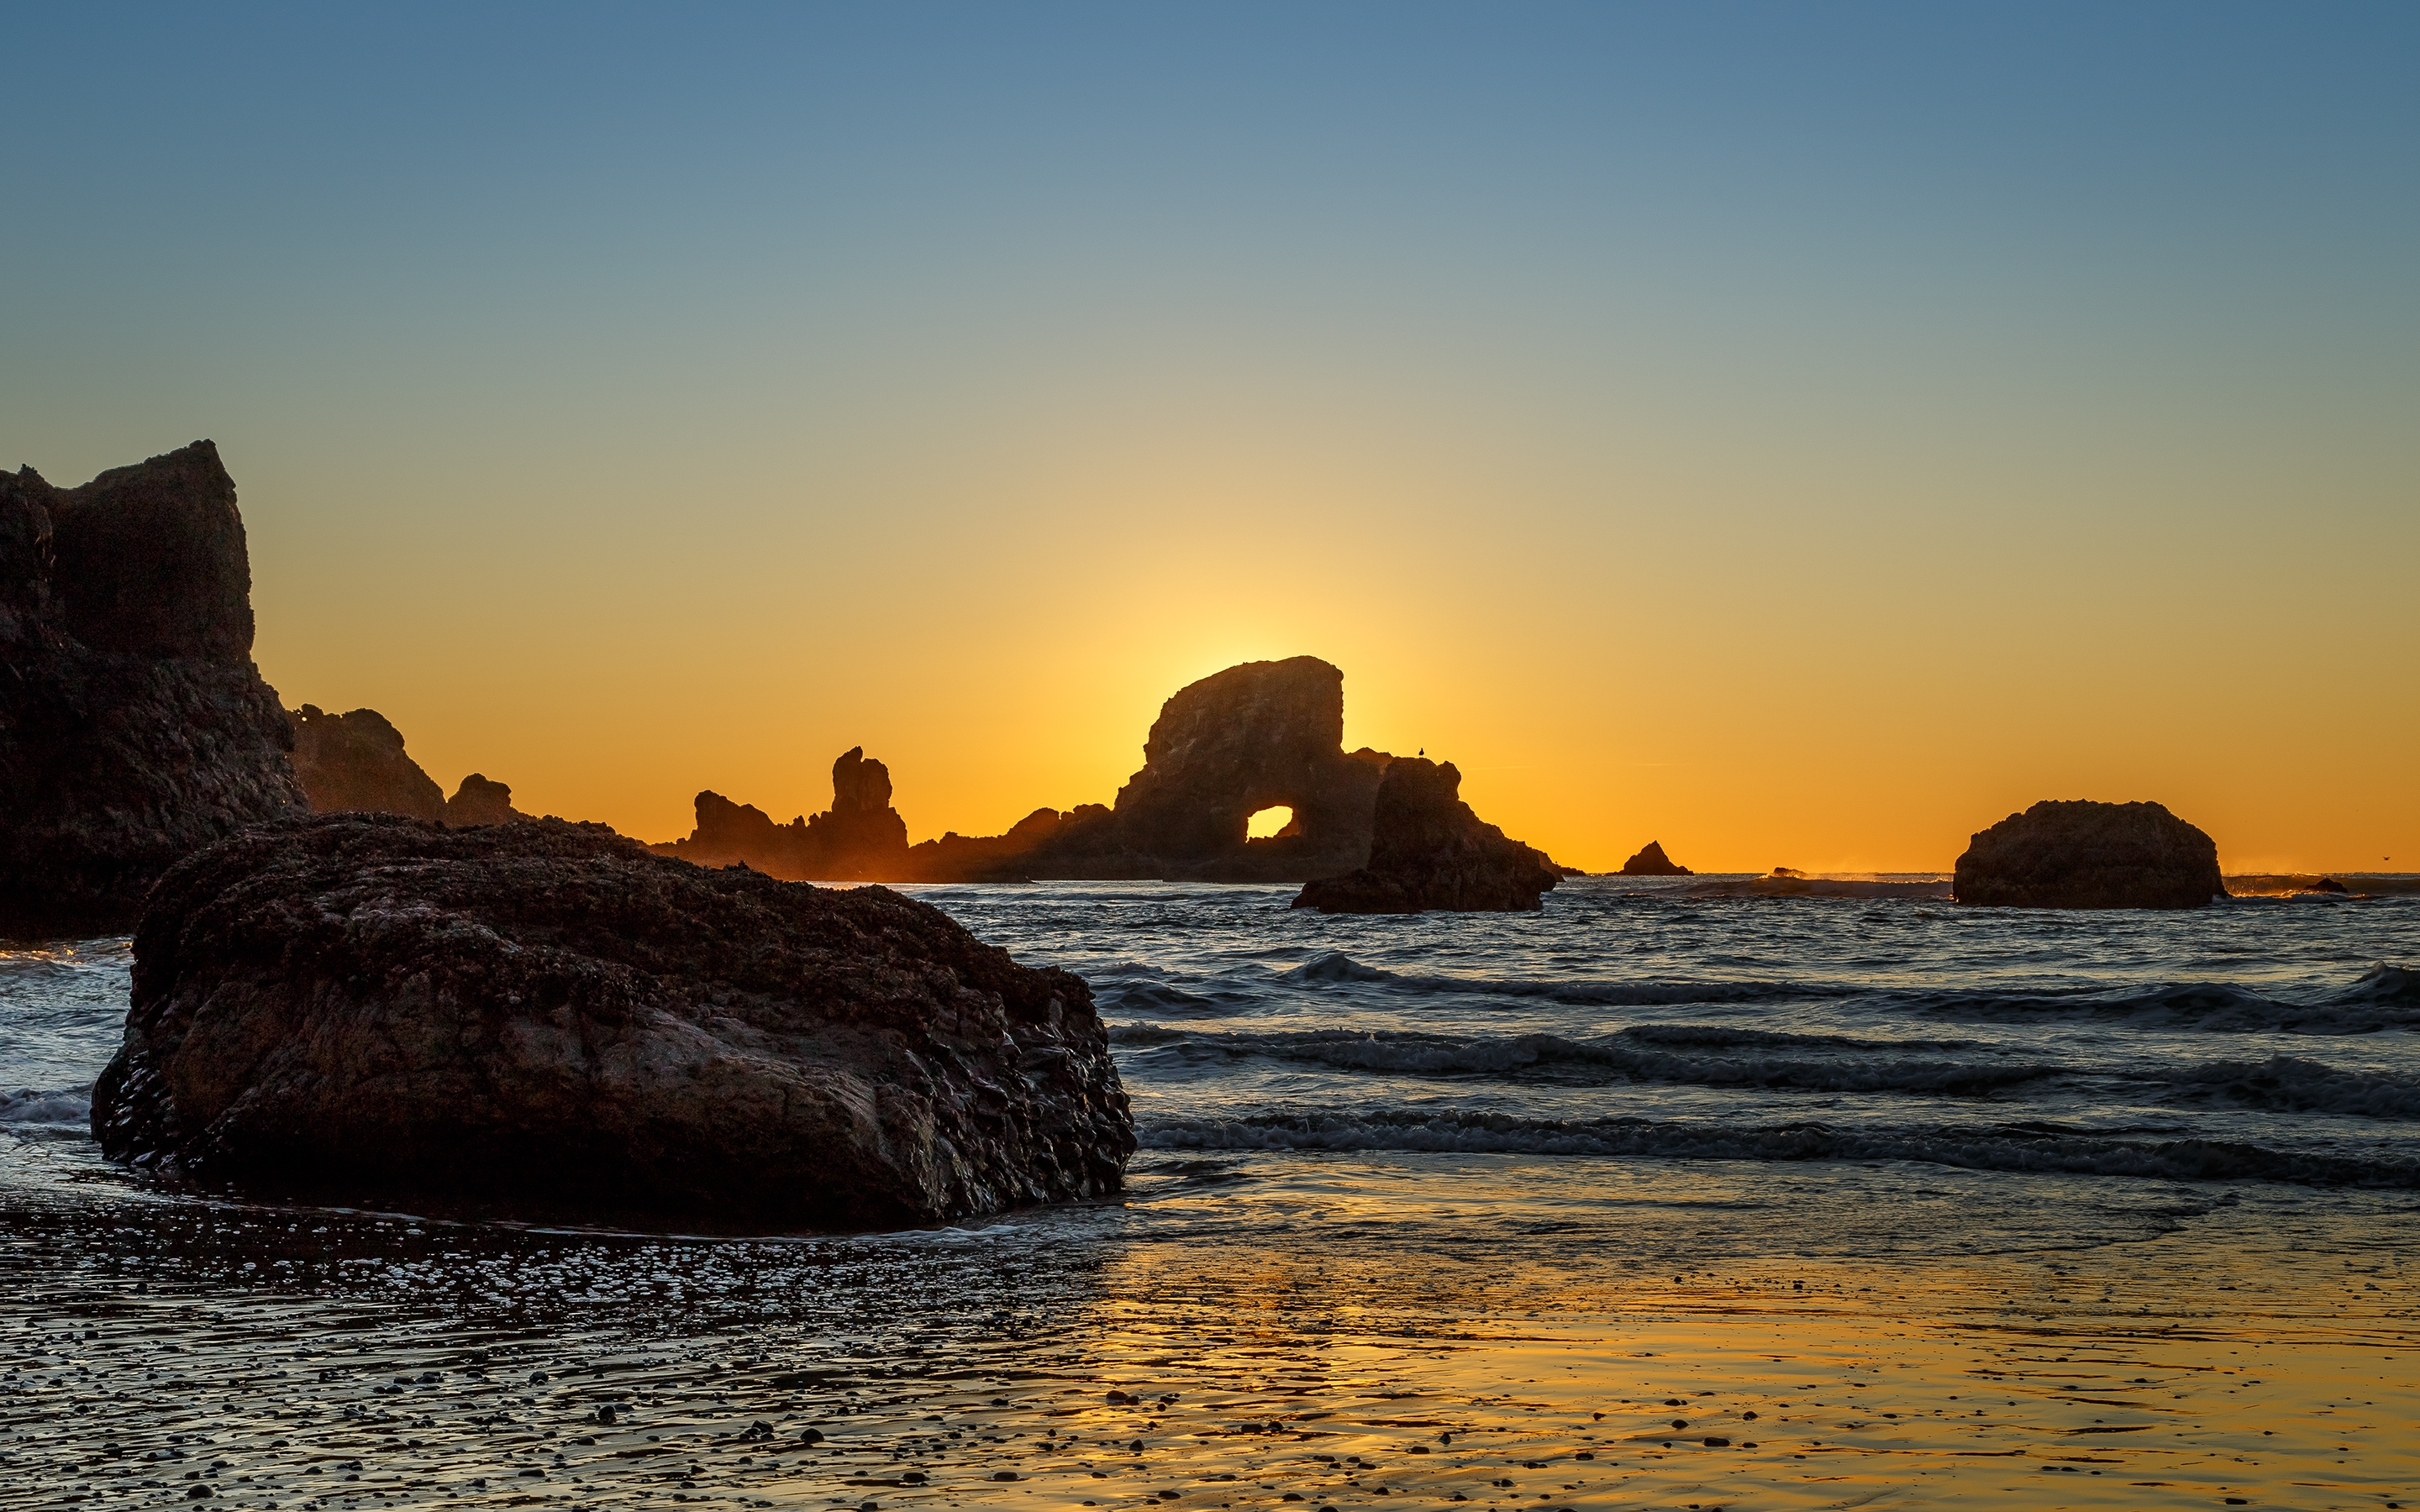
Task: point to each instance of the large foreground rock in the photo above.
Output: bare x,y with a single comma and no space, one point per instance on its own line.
543,1017
2084,854
1429,853
134,728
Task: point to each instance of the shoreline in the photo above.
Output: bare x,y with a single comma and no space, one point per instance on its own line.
294,1358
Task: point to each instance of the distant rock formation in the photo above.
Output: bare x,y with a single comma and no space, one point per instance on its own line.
1429,853
355,762
1265,735
1261,735
2084,854
481,801
544,1019
133,727
1653,862
2328,885
860,838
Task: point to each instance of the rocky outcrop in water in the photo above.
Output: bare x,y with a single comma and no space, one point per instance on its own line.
544,1018
1653,862
1265,734
355,762
1429,853
134,726
2084,854
481,800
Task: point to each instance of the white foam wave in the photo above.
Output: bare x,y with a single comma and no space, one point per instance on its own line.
28,1105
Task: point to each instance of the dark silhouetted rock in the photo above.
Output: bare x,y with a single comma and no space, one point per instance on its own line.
133,727
2327,885
543,1017
481,801
860,838
355,762
1429,853
1263,735
1653,862
2084,854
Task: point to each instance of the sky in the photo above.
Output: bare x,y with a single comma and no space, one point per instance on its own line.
1802,435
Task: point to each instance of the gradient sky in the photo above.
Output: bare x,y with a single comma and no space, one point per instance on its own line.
1801,433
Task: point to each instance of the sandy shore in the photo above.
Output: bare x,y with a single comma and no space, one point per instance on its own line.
155,1352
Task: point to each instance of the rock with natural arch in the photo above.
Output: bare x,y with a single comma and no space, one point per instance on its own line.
1261,735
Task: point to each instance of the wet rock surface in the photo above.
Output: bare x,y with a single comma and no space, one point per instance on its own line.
1653,862
2086,855
1430,853
544,1018
134,726
355,762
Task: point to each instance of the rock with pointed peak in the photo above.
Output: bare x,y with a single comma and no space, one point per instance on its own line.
1653,862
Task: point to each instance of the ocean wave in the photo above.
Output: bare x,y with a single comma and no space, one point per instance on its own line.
2291,1084
1465,1132
1336,966
2385,997
28,1105
1609,1059
1143,996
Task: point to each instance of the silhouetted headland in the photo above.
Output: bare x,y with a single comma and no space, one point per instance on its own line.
2084,854
134,726
1430,853
545,1018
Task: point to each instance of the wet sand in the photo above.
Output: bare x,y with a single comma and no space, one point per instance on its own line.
155,1352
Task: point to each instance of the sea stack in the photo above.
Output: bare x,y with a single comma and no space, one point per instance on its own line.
542,1018
1429,853
133,727
2084,854
1653,862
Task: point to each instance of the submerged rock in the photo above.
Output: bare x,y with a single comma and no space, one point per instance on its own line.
545,1017
355,762
2086,855
134,726
1653,862
1429,853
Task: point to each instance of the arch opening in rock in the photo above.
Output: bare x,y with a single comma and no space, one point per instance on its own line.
1271,823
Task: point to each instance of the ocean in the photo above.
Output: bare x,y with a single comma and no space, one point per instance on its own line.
1526,1181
